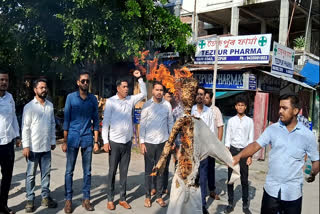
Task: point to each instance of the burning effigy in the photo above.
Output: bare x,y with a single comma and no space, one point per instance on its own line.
197,140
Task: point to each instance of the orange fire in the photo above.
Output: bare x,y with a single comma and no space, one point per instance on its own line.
160,72
185,139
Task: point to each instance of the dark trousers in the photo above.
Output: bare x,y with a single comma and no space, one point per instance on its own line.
151,158
211,174
244,172
203,178
6,163
272,205
166,173
207,176
118,155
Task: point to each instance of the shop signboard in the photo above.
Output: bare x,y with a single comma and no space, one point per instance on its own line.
252,82
237,80
235,50
282,60
168,55
137,115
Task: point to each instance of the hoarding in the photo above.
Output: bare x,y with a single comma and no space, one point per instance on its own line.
235,50
282,60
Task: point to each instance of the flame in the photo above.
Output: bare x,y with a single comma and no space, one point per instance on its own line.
186,139
160,72
138,61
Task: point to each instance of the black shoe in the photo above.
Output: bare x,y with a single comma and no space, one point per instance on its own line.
204,210
29,207
229,209
245,208
49,203
6,210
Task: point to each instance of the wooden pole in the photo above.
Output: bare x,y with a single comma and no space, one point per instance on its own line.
215,71
294,7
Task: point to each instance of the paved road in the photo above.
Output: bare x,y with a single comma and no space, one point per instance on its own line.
135,187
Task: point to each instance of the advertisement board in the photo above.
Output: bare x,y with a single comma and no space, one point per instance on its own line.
282,60
234,49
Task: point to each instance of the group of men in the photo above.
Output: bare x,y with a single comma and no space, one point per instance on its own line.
81,128
289,140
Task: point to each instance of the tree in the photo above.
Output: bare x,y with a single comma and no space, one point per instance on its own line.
111,31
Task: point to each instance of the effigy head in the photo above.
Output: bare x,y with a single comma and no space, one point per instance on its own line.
188,89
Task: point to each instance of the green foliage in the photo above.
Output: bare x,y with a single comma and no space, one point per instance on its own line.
299,42
36,35
30,36
113,31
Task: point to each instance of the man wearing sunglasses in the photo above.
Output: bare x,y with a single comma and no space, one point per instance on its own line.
80,114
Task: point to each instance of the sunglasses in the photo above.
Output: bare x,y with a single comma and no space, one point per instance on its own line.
84,81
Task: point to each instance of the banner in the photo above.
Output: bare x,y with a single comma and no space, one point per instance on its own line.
282,60
235,50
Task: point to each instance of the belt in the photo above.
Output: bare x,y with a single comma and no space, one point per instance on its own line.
237,149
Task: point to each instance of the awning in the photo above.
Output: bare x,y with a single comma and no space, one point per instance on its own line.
224,94
289,79
311,72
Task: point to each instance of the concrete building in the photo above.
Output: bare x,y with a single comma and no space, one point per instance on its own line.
245,17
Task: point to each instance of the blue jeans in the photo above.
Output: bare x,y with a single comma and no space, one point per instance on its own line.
72,154
43,159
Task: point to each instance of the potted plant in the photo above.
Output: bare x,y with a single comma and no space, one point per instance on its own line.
299,43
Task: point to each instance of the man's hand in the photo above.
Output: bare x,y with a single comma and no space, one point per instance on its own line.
96,147
53,147
106,147
26,152
155,171
64,147
143,148
311,178
228,148
18,142
137,74
249,161
236,159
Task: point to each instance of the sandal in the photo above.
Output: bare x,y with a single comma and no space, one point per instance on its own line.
161,202
147,202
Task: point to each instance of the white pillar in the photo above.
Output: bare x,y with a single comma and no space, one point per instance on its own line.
234,29
284,18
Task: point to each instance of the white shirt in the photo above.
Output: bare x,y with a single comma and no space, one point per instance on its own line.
239,132
9,128
118,116
206,115
156,122
38,126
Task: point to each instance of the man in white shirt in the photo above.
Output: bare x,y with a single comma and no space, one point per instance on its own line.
38,139
239,134
155,126
168,96
9,131
117,140
218,122
206,114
